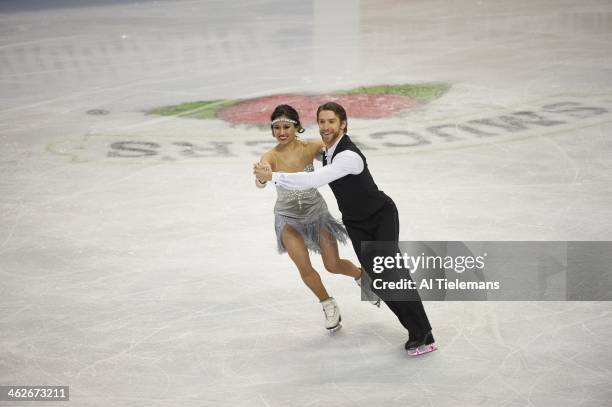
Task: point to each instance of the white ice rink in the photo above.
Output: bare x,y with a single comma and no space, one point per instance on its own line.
152,278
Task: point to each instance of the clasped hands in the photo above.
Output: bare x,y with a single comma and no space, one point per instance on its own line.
262,171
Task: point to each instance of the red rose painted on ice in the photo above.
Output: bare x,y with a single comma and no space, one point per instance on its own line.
366,106
372,102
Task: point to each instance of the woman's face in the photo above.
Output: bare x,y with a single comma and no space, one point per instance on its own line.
284,132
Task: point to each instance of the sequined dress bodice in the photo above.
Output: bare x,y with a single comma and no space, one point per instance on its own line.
300,204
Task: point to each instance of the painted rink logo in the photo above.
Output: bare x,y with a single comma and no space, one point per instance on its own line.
372,102
185,141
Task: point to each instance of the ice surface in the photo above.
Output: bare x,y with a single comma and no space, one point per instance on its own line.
154,280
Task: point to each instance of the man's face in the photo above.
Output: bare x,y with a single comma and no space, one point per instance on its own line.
330,127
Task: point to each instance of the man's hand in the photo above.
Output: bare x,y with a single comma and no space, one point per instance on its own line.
262,171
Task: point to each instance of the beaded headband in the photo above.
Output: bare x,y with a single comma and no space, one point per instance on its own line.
282,119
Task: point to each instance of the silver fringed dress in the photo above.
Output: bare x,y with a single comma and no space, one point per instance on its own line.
306,211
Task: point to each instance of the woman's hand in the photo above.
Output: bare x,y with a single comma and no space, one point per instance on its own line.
263,172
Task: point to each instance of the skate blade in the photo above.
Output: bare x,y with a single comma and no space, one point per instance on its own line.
423,349
334,329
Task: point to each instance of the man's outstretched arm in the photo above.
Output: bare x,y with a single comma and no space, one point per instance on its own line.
345,163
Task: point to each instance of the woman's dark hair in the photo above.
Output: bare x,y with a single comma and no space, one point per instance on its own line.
288,112
337,109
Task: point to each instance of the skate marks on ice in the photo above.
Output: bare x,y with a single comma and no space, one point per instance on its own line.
185,141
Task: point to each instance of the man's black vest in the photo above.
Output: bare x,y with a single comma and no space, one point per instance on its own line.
357,195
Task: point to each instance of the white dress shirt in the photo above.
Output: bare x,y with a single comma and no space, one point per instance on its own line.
345,163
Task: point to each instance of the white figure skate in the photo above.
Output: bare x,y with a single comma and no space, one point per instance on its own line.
332,315
367,293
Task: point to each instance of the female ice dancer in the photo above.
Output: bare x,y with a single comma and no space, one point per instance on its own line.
302,220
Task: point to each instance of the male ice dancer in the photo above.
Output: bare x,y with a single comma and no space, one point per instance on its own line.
368,213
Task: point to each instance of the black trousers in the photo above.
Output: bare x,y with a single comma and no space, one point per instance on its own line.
384,226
